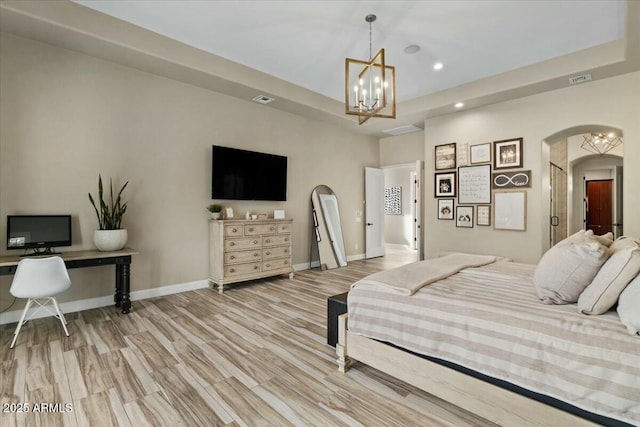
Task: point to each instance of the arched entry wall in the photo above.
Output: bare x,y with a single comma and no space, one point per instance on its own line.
577,160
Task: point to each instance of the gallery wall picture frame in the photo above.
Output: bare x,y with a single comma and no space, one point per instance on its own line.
464,216
474,184
462,154
445,209
445,156
511,179
393,200
510,210
483,215
480,153
445,184
507,153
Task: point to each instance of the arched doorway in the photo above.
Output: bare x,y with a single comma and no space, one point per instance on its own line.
577,175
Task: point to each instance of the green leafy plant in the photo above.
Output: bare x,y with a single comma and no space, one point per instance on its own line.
109,215
214,208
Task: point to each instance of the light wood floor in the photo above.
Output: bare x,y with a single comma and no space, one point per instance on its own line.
256,355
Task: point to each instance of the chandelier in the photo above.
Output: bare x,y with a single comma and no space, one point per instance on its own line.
601,143
370,86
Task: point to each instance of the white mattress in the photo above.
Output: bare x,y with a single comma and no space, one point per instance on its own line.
490,320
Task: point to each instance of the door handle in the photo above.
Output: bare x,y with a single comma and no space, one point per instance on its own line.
369,223
555,221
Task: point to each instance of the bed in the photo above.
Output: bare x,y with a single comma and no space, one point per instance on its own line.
481,339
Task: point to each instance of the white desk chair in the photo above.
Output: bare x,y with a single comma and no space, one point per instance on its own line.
39,279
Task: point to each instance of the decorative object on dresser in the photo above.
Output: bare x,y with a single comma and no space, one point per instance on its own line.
241,250
215,210
109,236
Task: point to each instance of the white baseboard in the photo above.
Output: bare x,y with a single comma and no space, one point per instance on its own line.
89,303
107,300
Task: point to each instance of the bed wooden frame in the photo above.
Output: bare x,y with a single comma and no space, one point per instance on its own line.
489,401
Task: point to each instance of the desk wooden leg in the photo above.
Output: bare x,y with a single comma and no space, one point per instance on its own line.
117,296
123,272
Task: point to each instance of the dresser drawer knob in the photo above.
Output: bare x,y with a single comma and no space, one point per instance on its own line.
284,228
251,229
268,253
255,242
272,228
255,267
268,241
286,251
256,254
268,265
234,230
286,261
232,244
232,270
232,257
286,239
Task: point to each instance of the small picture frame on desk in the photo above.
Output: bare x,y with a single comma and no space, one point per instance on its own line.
228,213
279,214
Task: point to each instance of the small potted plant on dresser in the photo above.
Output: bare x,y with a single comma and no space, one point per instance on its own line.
109,236
216,210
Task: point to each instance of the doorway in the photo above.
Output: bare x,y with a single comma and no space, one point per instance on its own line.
599,206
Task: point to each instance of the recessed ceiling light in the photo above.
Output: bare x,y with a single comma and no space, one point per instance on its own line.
412,48
459,104
438,66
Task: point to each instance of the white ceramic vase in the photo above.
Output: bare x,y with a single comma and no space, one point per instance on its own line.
215,215
110,240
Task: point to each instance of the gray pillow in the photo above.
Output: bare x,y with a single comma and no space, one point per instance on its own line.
629,306
568,268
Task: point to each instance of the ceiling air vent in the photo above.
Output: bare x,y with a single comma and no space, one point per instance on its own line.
402,130
263,99
579,79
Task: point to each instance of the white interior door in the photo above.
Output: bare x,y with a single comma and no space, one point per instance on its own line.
418,209
374,212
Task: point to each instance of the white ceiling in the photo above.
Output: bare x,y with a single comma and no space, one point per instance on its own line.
305,42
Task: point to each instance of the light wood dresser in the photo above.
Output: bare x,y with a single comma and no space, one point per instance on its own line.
241,250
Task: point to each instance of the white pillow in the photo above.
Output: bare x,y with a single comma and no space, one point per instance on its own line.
569,267
613,277
629,306
623,242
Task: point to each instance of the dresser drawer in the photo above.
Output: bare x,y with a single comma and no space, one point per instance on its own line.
233,230
242,243
275,264
241,269
275,252
241,256
253,230
278,240
284,228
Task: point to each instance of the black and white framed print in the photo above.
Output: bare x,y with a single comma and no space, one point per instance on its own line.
393,200
445,184
445,209
474,184
507,154
480,153
483,215
464,216
445,156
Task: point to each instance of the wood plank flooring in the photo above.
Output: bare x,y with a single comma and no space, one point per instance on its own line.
254,356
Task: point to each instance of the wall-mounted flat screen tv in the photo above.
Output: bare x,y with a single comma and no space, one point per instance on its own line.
247,175
38,231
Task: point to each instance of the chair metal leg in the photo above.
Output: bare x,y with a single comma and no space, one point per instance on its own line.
17,331
60,316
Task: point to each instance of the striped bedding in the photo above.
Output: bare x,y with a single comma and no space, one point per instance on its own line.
490,320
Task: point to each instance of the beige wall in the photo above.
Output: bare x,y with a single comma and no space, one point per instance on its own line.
534,118
400,149
67,117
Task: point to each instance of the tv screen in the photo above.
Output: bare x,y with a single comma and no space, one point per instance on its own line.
38,231
247,175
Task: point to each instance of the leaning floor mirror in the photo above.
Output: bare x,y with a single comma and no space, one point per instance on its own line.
326,228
